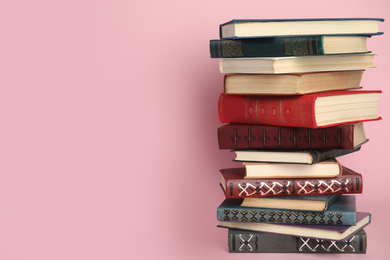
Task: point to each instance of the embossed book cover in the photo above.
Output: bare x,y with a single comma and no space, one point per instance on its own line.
240,241
342,212
235,185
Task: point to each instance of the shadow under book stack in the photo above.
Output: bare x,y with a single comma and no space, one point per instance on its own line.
291,105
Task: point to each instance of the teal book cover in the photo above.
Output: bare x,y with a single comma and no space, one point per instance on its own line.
342,212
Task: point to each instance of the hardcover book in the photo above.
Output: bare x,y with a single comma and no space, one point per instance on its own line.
292,84
244,136
325,232
297,64
287,46
310,203
288,156
235,185
243,28
311,111
342,212
328,168
240,241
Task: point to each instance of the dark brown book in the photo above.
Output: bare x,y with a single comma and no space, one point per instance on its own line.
235,185
248,136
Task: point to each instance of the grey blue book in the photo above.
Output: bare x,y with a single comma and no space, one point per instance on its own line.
342,212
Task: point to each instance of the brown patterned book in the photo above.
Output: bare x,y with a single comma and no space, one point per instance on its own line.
235,185
248,136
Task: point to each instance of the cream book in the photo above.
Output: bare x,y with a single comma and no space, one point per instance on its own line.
297,64
328,168
292,84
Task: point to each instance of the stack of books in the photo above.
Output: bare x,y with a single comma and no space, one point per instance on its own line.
292,104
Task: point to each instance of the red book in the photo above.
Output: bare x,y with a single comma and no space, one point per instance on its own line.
245,136
312,110
235,185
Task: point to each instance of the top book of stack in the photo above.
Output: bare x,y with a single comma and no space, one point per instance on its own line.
252,28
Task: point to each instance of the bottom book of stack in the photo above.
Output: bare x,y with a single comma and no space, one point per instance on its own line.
337,229
241,241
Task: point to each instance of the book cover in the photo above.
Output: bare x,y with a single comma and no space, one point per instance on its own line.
325,232
298,64
288,156
300,111
249,136
236,186
272,47
312,203
240,241
247,28
325,169
342,212
292,83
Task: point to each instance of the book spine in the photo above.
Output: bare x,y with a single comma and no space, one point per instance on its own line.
235,136
259,188
330,154
267,47
240,241
262,215
292,111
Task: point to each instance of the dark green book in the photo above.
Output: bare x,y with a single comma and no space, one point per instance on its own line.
241,241
287,46
342,212
288,156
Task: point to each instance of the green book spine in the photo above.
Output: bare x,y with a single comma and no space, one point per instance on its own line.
267,47
240,241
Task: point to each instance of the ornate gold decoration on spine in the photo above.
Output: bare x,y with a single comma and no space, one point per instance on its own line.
296,46
232,49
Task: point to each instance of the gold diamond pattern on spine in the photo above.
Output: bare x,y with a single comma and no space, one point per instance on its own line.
232,49
253,217
296,46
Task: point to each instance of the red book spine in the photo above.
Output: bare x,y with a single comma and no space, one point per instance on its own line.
245,136
294,111
349,182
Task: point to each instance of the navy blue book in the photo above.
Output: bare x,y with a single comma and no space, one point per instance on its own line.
341,212
248,28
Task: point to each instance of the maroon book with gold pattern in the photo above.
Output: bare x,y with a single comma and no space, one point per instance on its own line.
247,136
235,185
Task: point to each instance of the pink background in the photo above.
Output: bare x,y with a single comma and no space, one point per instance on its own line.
108,127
